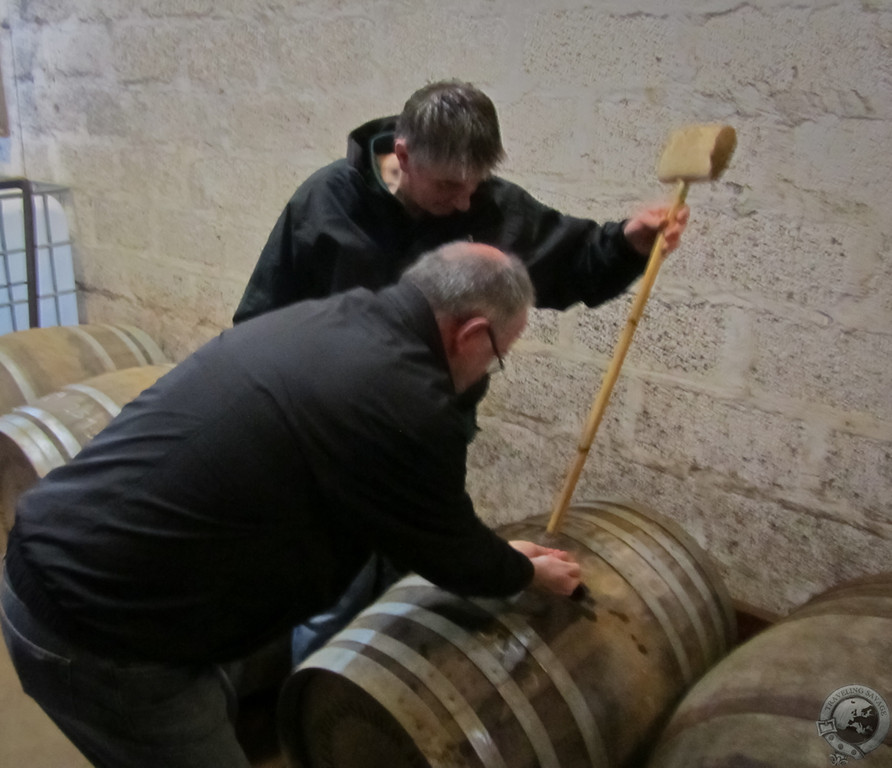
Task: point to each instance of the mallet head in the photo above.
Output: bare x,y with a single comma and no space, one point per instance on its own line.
697,153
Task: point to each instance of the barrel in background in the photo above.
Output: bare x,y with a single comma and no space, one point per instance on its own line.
424,678
35,439
812,690
39,361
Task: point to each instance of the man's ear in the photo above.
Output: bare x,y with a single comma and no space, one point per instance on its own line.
402,153
468,333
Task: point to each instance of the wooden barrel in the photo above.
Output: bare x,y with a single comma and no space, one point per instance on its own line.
37,438
38,361
812,690
424,678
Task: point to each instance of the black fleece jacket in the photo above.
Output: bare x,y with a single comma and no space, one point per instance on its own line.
242,492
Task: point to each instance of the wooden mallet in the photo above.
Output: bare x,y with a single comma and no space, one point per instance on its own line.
694,153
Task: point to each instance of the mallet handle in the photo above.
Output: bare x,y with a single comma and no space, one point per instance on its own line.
600,404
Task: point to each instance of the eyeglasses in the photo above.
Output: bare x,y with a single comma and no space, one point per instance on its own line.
499,363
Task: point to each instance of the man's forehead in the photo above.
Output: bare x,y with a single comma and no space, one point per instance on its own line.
450,172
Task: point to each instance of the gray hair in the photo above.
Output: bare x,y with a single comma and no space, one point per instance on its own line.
454,124
460,282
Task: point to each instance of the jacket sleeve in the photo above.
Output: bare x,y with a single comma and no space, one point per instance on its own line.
570,259
401,490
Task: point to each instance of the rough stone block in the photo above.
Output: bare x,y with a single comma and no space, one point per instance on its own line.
200,238
188,307
56,11
586,48
563,148
770,554
878,306
513,472
612,474
73,49
185,8
743,448
858,474
543,325
149,52
39,110
157,185
157,113
844,159
321,55
776,556
244,187
773,257
123,222
597,330
223,54
811,59
89,168
423,39
272,121
675,334
827,364
105,114
551,394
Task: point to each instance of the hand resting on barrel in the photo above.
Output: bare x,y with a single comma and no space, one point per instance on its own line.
531,550
555,574
554,569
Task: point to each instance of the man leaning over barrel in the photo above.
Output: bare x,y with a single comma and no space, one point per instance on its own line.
242,493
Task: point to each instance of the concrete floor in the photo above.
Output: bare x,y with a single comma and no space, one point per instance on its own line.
29,739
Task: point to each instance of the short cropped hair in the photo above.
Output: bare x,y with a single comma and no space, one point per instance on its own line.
454,124
460,283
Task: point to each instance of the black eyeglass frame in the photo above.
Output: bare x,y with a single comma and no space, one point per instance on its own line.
495,349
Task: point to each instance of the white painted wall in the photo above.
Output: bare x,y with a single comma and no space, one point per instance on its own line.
754,404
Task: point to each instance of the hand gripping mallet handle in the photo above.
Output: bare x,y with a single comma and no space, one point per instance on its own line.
696,153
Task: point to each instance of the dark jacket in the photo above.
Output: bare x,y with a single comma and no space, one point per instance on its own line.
241,493
343,228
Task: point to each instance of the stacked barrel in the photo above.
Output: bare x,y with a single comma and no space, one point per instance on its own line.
59,386
813,689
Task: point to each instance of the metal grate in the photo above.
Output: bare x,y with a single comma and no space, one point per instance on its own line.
37,287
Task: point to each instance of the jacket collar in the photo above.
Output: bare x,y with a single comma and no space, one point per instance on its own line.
414,309
372,138
416,313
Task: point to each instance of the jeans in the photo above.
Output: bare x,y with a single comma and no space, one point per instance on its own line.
376,576
123,714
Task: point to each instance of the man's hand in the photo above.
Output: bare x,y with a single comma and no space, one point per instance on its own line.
642,229
532,550
559,575
554,569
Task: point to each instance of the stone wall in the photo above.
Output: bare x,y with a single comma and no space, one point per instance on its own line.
754,403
